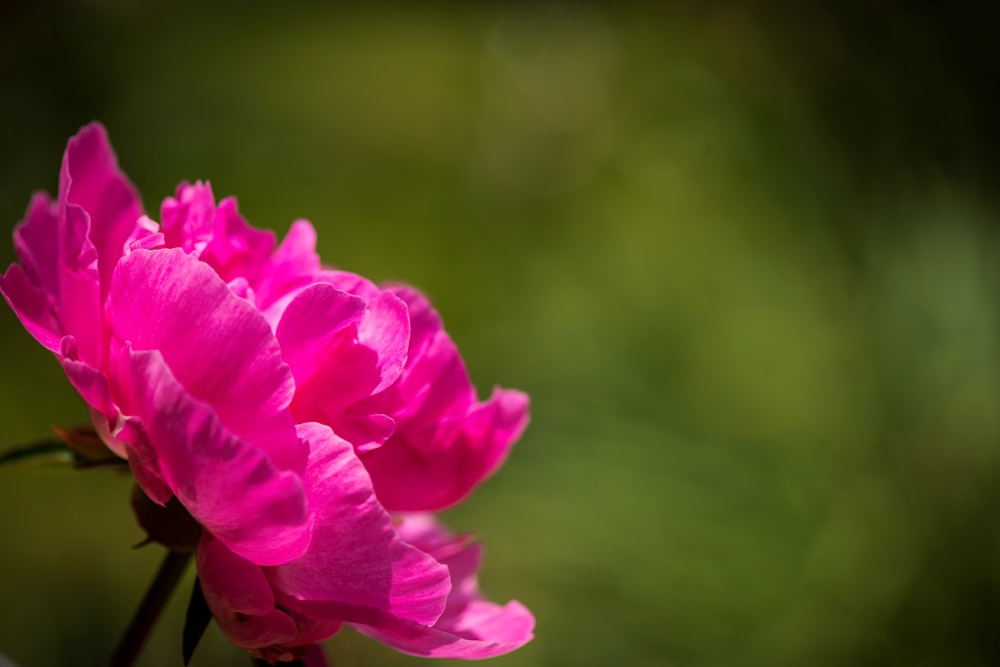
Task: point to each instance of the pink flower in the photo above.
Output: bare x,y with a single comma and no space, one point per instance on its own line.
288,407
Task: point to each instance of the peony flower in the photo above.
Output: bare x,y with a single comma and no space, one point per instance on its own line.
286,406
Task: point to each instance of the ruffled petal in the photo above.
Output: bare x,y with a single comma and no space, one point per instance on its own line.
355,364
294,265
356,568
31,305
433,468
470,627
217,346
309,322
240,597
230,486
36,240
90,179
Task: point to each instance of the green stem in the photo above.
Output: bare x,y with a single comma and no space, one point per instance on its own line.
163,585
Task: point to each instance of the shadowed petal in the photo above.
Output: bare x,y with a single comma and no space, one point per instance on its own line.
230,486
240,597
31,306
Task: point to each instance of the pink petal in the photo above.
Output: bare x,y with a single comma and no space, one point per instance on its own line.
79,285
142,458
350,282
230,486
90,179
294,265
217,345
356,363
240,597
385,329
310,321
434,468
36,241
356,568
424,320
87,380
470,627
188,217
31,306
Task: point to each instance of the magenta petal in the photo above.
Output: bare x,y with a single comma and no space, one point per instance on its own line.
79,285
350,282
188,217
424,320
87,380
230,486
237,249
435,467
240,597
310,320
293,265
365,432
484,630
356,568
386,330
31,306
356,367
142,459
90,179
36,240
470,627
217,345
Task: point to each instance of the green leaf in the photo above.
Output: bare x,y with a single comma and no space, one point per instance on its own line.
195,621
89,447
39,453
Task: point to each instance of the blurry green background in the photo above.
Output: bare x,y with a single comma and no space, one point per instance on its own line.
743,256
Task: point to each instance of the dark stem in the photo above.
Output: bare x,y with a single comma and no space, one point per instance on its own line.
260,662
149,610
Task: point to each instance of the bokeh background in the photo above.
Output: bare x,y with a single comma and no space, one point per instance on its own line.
743,256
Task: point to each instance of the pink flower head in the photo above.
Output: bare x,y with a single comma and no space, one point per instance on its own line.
288,407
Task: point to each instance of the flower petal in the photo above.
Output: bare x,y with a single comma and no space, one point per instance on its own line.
470,627
31,306
217,345
356,363
308,323
293,265
229,485
240,597
435,467
90,179
36,239
356,568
